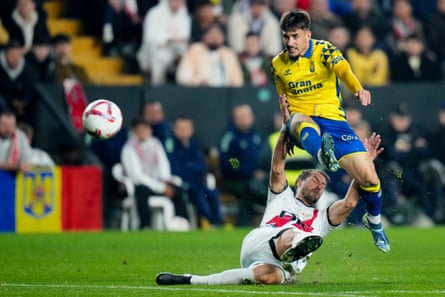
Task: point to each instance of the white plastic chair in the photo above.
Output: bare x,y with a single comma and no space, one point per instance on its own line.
129,217
162,208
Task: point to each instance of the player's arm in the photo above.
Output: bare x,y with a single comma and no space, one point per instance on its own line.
279,85
277,180
340,210
344,72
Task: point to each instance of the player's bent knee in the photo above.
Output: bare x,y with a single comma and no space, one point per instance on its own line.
268,274
271,278
368,180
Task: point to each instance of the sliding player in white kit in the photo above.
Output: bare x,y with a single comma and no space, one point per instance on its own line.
291,228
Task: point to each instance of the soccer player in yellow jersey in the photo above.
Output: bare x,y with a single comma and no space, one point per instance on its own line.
307,74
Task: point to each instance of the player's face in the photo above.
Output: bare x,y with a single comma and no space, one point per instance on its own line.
311,189
7,126
296,41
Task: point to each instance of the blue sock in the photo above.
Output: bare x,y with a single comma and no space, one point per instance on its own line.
373,201
311,141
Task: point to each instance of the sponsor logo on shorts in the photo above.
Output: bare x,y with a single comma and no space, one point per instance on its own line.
349,137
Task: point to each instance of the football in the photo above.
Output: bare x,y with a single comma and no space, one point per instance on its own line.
102,119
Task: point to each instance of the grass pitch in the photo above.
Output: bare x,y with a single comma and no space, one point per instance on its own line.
125,264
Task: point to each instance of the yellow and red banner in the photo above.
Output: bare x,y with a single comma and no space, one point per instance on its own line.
51,199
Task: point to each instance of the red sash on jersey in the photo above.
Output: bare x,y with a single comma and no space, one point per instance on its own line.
284,218
14,152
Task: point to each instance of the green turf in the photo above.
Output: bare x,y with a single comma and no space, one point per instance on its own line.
125,264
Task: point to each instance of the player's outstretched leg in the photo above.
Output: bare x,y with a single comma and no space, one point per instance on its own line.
165,278
326,154
302,248
373,198
378,234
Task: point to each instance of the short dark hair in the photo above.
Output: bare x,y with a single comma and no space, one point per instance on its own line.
139,121
295,19
61,38
7,113
14,44
309,172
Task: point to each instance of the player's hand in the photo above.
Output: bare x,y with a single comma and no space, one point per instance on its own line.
364,96
288,147
169,190
372,144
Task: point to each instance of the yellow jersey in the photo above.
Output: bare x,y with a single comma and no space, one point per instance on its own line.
311,81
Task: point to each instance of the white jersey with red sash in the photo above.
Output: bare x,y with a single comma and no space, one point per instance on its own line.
284,210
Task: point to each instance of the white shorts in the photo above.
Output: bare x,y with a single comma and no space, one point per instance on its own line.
256,249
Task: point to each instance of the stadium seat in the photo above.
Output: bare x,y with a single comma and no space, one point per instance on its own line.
53,9
70,27
162,212
4,35
129,217
85,46
161,208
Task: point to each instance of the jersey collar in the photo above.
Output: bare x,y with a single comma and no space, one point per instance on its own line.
310,49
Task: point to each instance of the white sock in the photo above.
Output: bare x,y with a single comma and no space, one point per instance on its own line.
228,277
374,219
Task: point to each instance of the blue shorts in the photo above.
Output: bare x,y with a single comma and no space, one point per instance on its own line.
346,141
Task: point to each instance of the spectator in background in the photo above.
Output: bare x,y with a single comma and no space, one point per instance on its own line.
187,161
240,150
210,62
255,65
41,62
406,147
403,25
437,135
122,30
259,19
153,113
364,14
435,31
65,67
435,176
15,151
203,18
16,82
26,23
322,19
38,157
415,63
281,6
340,37
146,164
165,36
370,64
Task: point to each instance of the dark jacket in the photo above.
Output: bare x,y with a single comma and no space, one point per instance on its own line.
430,69
240,152
188,162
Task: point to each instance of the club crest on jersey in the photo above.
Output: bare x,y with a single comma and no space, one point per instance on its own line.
38,193
312,67
287,72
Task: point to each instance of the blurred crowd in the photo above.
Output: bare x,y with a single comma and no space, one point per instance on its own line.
201,42
224,43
